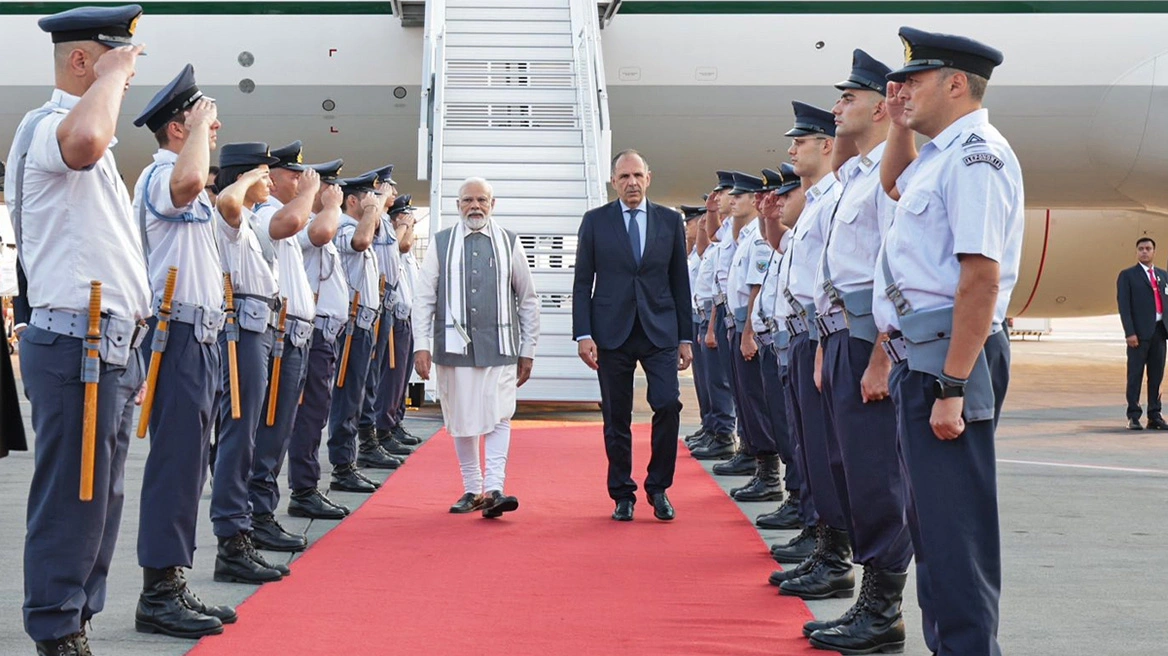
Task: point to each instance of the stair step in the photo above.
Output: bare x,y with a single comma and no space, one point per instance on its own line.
514,207
509,4
515,154
563,54
484,115
511,96
508,38
510,14
501,137
563,26
573,189
459,171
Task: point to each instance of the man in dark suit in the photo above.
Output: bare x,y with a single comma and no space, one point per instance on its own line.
630,304
1141,294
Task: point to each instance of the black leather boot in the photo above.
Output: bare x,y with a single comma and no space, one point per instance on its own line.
740,465
405,437
346,478
719,448
798,549
813,539
267,533
226,614
701,441
74,644
877,626
162,608
767,485
238,562
391,445
370,454
819,625
832,576
312,504
785,518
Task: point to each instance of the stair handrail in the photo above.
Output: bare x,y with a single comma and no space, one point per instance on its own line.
592,98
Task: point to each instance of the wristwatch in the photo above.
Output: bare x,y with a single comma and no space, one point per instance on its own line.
943,389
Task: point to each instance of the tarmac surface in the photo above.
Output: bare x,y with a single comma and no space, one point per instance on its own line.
1084,518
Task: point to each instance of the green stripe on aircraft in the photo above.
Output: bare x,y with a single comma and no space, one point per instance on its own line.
894,7
335,7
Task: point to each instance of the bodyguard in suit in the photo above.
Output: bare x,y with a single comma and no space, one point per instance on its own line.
66,198
630,304
178,227
949,265
1141,309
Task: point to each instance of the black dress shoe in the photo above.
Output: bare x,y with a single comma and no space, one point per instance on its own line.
1157,423
163,609
312,504
268,534
74,644
347,479
239,562
624,510
371,455
662,509
467,503
1134,424
495,503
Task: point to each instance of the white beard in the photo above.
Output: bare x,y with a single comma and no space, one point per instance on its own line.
475,224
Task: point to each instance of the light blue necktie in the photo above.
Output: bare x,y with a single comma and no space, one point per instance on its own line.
635,234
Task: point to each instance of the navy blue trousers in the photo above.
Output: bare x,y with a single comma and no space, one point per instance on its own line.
616,393
723,415
345,412
230,507
181,424
701,386
755,419
391,398
724,356
69,543
954,513
773,383
376,388
809,419
271,443
864,441
312,415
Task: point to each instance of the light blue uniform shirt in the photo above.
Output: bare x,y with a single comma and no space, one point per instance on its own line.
326,276
361,268
290,263
962,195
803,252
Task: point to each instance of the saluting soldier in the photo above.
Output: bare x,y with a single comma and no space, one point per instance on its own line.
828,571
754,421
283,216
249,256
862,434
950,264
771,334
178,227
722,445
374,425
73,223
401,216
326,277
362,210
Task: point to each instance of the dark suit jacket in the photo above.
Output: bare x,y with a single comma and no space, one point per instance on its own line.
1137,304
610,289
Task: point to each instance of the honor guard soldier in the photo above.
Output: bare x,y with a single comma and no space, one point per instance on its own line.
862,436
720,444
374,425
326,277
283,216
692,215
249,258
401,216
180,234
745,276
828,571
80,248
771,334
362,210
950,264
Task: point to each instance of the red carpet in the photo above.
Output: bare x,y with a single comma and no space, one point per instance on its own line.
403,576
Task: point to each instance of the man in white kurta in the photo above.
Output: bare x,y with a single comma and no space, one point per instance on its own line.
476,319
